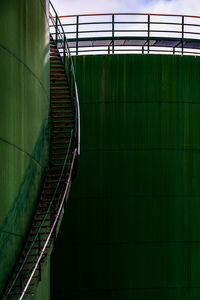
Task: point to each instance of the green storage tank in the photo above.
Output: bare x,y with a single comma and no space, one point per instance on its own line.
132,226
24,137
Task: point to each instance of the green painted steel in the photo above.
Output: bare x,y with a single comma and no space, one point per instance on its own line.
24,137
132,226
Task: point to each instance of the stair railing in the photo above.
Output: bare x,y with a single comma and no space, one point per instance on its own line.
60,39
27,276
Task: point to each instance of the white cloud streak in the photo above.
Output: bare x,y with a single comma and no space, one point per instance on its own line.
68,7
188,7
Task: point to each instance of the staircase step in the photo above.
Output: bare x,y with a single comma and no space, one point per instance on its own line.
61,111
60,70
43,226
53,55
58,88
61,142
41,234
62,137
59,153
60,91
29,262
59,101
60,84
66,126
67,132
44,213
62,105
60,67
54,77
62,121
59,147
63,117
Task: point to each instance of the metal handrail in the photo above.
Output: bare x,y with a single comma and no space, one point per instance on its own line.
85,29
131,14
53,226
40,227
60,38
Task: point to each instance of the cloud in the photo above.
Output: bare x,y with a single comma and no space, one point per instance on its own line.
190,7
109,6
68,7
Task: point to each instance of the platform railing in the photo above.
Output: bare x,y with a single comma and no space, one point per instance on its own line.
132,33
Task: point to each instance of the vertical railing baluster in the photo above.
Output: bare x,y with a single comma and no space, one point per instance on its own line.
77,28
69,70
20,282
56,30
39,249
148,37
64,49
182,37
113,33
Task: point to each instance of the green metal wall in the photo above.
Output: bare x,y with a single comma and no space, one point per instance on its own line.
132,223
24,98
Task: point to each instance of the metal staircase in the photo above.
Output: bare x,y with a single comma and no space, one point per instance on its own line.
64,149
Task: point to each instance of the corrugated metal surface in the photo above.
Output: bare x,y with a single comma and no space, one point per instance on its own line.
132,226
24,90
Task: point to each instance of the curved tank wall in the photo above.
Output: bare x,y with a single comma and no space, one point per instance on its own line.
132,227
24,90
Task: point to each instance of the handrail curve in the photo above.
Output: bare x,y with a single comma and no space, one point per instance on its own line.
42,223
53,226
131,14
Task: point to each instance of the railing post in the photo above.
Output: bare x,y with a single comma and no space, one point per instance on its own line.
113,33
56,30
64,48
39,248
70,71
77,25
182,37
20,282
148,37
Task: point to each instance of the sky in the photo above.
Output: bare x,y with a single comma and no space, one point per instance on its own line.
68,7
